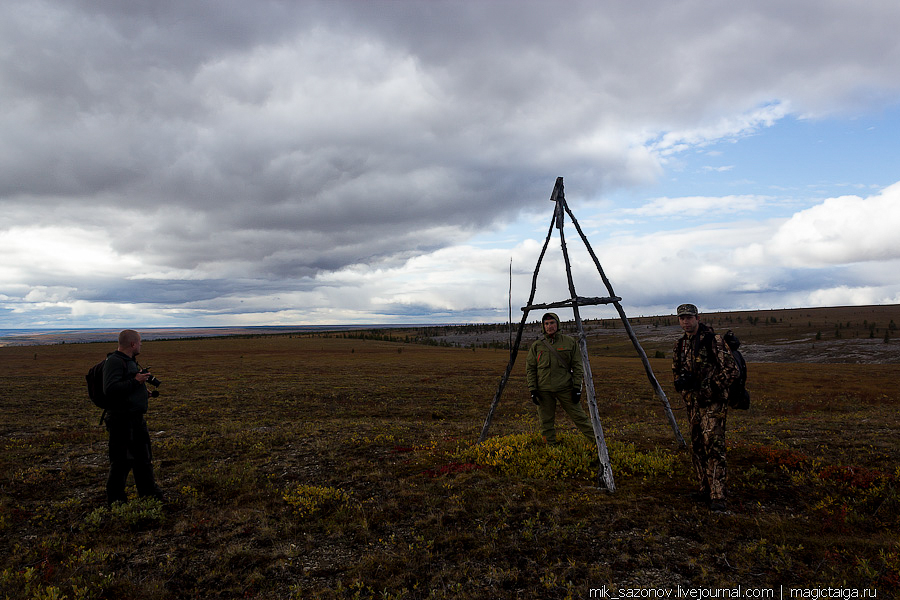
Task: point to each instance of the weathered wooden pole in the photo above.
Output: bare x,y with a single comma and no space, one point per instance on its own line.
605,477
509,299
637,345
514,351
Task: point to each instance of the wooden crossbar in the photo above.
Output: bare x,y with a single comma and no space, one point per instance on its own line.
579,301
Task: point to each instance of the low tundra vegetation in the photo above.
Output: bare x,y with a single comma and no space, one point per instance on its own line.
337,467
525,455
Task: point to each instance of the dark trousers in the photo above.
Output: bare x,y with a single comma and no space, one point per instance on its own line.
129,450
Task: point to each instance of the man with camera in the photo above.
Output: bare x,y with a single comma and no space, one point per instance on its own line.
125,383
704,369
554,372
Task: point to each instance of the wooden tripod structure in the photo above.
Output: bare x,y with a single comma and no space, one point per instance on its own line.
558,197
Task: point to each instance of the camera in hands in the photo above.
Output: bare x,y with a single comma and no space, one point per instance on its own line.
152,380
686,381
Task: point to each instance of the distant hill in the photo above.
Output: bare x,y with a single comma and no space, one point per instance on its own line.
842,334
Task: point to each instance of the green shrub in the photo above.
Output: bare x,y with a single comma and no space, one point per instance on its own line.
526,455
309,500
135,514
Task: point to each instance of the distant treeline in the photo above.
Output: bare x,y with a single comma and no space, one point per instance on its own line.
816,320
428,336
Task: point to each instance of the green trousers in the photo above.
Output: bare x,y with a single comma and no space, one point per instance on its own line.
547,414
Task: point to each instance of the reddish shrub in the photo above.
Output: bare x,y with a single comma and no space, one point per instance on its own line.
853,477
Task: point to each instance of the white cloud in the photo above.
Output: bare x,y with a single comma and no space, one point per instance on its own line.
853,296
699,205
60,250
724,128
848,229
755,264
330,160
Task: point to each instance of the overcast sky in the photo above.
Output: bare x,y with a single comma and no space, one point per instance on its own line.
179,163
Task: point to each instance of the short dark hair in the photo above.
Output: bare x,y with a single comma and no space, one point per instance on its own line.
127,336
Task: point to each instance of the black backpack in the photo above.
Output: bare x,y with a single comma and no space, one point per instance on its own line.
94,379
738,396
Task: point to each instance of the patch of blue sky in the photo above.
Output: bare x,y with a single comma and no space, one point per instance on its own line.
770,173
795,159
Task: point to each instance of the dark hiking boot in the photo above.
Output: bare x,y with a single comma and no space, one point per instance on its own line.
699,496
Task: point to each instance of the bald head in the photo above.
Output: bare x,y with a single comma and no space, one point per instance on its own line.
130,342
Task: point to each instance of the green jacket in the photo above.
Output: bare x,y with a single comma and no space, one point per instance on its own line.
543,370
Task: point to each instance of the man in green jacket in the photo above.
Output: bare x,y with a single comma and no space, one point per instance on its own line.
554,372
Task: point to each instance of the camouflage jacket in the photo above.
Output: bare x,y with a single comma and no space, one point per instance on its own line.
706,360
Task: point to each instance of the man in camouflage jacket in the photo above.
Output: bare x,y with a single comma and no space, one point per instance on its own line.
704,368
554,372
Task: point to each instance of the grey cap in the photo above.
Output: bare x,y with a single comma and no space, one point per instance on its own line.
687,309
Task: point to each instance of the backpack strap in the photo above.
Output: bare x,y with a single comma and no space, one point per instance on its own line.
558,356
709,340
696,342
103,414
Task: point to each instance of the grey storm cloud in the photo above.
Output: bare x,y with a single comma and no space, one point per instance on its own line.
252,141
240,133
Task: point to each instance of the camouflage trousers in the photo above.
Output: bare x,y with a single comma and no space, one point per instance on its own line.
547,414
707,429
